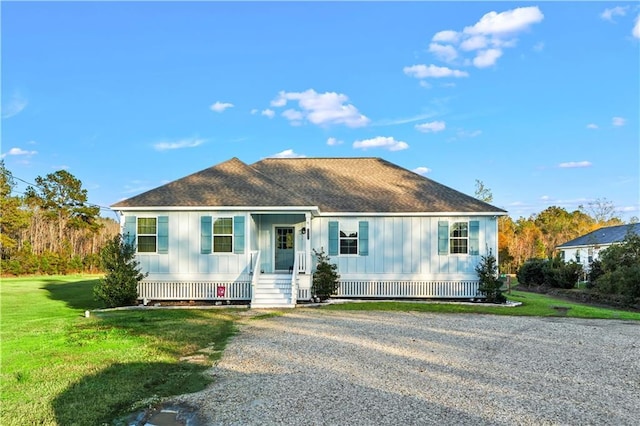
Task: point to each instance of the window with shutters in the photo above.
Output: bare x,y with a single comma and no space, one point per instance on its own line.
147,232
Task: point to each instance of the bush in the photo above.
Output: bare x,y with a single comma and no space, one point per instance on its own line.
531,273
619,270
490,286
119,287
325,278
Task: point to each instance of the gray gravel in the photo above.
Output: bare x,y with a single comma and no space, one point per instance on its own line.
312,367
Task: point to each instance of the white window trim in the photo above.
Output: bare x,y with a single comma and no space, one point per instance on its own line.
214,235
341,238
458,238
138,235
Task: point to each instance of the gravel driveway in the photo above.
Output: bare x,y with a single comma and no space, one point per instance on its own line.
312,367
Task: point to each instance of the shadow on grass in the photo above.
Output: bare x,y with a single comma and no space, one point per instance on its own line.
76,294
121,389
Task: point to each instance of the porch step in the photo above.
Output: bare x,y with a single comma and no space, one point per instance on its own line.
273,291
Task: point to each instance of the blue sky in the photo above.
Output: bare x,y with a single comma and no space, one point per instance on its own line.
540,101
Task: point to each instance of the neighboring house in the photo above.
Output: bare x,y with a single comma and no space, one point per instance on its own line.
587,248
238,232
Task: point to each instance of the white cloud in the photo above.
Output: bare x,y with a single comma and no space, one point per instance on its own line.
636,28
381,142
421,170
509,22
618,121
468,134
447,36
487,58
474,43
433,126
446,53
183,143
254,111
592,126
321,108
14,105
19,151
220,106
488,36
425,71
334,142
268,113
545,198
574,164
287,153
425,84
539,46
608,14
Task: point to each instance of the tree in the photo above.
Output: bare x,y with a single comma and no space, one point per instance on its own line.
620,269
602,211
63,202
119,287
13,218
483,193
490,286
325,278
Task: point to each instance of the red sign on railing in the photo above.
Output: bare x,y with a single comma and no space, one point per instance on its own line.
221,290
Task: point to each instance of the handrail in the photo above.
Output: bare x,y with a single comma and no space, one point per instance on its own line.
294,282
256,275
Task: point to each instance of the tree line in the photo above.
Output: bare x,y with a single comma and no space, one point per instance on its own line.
50,228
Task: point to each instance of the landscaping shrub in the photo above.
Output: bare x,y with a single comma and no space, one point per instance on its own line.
325,278
618,270
119,287
531,273
490,286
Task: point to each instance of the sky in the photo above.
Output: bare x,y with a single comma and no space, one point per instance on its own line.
539,101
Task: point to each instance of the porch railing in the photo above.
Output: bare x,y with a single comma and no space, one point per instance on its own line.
301,262
255,278
410,289
294,280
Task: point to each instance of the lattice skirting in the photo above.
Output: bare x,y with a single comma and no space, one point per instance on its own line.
409,289
206,290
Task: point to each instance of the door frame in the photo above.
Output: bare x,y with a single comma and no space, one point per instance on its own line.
274,236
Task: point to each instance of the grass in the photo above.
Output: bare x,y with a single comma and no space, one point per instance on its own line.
59,367
533,304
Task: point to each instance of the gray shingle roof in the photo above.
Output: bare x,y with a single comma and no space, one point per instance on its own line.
331,184
603,236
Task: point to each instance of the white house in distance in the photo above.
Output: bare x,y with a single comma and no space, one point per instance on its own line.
239,232
587,248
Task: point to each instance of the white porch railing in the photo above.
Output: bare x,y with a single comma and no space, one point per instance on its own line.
409,289
301,262
255,270
294,280
198,290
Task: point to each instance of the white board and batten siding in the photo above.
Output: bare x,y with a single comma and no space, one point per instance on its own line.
403,257
182,271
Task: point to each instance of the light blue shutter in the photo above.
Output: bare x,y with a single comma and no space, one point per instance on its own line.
474,237
205,234
333,238
238,234
443,237
163,234
129,234
363,238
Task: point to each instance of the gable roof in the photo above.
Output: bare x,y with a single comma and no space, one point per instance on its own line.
603,236
332,184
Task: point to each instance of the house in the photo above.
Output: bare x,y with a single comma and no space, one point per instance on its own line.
239,232
587,248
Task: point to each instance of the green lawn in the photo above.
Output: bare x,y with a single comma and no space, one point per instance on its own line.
533,304
59,367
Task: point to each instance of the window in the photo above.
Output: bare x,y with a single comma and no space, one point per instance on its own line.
223,235
459,238
147,234
348,242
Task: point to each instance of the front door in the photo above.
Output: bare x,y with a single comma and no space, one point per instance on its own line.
284,251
